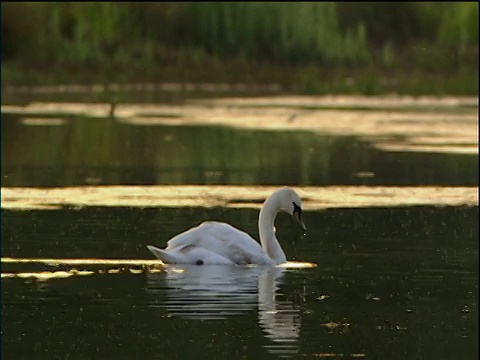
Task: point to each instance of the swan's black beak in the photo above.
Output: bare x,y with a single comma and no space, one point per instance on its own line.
297,215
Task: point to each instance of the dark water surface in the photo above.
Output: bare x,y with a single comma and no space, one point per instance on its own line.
390,282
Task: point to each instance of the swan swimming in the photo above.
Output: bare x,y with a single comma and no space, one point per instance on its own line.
218,243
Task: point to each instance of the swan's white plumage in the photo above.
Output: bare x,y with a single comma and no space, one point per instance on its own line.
214,243
221,244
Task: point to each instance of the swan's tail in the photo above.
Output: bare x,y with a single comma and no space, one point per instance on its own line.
162,255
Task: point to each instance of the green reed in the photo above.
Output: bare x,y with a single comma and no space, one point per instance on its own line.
107,36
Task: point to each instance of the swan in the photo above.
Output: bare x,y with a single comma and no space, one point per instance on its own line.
218,243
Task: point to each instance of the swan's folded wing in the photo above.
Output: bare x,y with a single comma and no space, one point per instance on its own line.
209,234
224,240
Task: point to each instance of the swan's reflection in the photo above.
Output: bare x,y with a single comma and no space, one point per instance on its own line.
216,292
280,320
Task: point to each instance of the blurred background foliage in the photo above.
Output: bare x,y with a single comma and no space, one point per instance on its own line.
317,47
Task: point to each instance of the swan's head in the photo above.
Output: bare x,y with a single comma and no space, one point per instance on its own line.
291,203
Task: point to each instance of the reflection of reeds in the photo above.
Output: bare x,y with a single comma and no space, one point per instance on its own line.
254,143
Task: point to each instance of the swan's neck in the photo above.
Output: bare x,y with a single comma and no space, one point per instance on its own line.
266,222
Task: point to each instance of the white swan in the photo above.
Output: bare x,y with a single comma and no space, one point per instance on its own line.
216,243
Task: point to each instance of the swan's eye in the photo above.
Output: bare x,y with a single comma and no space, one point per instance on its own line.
296,208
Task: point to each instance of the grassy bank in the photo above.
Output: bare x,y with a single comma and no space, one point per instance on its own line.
367,48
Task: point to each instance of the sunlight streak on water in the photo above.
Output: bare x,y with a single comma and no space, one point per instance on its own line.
37,121
314,198
145,262
121,266
55,262
47,275
95,266
297,265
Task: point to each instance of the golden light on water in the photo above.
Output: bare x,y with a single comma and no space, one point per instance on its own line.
47,275
450,122
55,262
42,121
297,265
314,198
121,266
133,271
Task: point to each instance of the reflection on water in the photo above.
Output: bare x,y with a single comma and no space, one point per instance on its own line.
402,278
393,280
193,292
98,151
217,292
280,320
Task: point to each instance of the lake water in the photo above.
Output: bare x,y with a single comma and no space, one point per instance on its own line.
380,274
